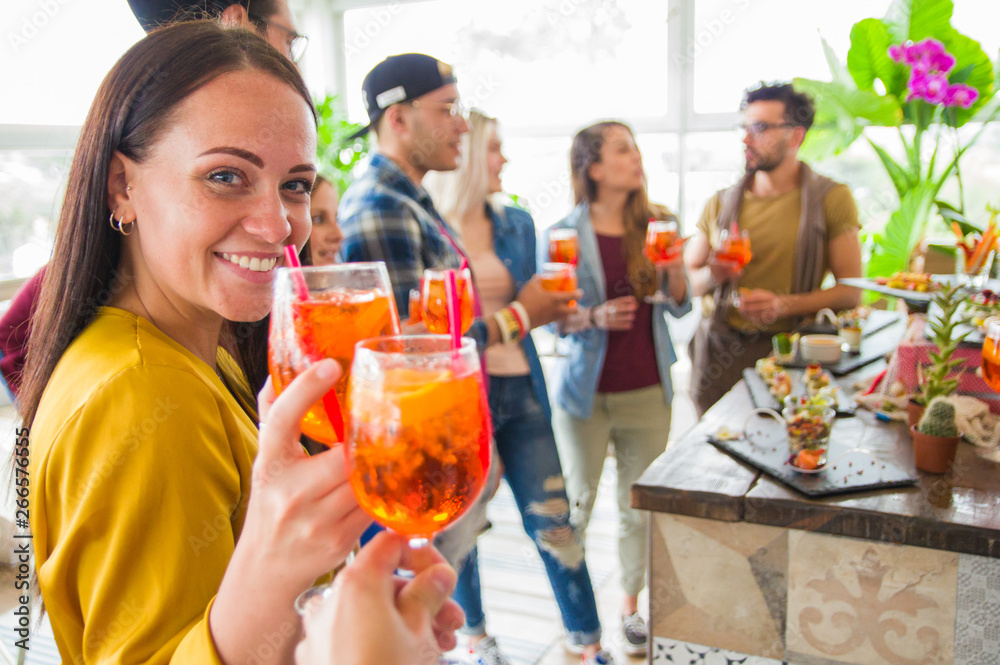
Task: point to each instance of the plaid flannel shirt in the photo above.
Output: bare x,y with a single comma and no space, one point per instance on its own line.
386,217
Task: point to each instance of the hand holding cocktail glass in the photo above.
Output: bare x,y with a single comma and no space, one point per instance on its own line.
664,248
409,621
301,509
727,261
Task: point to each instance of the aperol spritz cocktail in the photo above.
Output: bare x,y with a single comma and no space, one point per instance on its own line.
663,245
564,246
733,247
346,303
416,311
434,300
991,355
418,433
559,277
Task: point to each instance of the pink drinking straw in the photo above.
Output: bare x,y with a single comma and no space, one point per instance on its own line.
454,317
298,281
330,403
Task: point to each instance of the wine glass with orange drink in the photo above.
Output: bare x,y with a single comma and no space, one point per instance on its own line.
434,300
558,277
733,247
322,312
564,246
418,432
663,245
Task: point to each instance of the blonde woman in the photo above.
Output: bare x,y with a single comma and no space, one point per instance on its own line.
500,240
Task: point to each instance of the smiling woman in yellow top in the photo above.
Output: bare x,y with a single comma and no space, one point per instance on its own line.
192,173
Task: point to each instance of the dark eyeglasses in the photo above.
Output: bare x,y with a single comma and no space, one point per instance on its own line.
294,42
757,128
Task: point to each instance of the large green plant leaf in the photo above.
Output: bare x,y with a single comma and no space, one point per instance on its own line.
917,19
901,178
868,58
903,231
863,106
975,68
838,71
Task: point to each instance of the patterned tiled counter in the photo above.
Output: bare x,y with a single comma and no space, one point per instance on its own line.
744,570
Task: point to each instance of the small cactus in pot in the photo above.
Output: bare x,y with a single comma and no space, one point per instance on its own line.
939,419
936,436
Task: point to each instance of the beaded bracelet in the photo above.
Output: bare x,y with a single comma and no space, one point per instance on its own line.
510,328
522,317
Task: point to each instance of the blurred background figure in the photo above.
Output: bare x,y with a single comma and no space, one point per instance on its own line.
326,238
271,18
799,226
500,241
614,384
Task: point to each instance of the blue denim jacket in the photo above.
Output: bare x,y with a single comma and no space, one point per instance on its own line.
578,374
514,243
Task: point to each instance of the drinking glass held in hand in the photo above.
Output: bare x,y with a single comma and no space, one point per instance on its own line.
418,433
663,246
322,312
564,246
434,300
733,248
559,277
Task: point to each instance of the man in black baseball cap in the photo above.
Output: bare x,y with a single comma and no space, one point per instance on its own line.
400,78
386,214
271,18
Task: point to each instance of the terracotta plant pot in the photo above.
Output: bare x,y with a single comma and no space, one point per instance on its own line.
934,453
913,412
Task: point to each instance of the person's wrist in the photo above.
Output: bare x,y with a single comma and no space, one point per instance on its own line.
593,320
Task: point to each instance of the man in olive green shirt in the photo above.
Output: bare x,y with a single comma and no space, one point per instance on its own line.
801,226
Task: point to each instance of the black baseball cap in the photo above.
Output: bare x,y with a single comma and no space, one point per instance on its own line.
400,78
151,14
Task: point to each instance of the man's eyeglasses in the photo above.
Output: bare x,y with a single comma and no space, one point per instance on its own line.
455,109
295,43
758,128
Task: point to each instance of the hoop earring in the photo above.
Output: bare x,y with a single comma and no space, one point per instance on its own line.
117,225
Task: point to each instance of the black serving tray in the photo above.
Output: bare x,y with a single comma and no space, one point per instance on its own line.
762,398
848,469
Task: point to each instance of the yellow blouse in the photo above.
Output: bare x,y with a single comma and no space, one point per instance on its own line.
140,474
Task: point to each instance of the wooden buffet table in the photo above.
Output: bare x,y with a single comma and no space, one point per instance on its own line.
742,565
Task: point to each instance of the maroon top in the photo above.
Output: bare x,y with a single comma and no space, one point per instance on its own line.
14,330
630,361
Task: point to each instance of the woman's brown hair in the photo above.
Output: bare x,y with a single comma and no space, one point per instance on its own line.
133,107
586,151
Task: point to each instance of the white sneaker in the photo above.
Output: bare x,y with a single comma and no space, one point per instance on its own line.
634,635
602,657
487,652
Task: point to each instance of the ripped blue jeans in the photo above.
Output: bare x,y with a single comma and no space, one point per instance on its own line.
527,447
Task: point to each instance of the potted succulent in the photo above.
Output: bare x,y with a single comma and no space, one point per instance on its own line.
937,378
935,437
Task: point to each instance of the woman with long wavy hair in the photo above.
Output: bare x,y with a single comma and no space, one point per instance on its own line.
614,384
191,175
